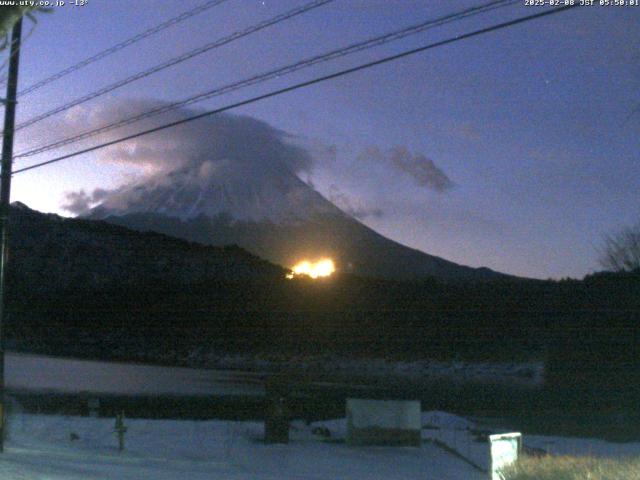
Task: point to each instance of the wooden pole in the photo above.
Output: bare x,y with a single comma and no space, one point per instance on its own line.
5,197
121,429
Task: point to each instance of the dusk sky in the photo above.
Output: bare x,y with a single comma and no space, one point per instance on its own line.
519,149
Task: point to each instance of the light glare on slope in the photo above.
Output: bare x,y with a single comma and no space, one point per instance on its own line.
321,268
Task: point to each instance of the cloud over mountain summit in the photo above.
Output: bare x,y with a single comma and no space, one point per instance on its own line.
196,150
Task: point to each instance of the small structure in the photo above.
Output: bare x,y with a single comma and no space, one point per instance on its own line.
383,422
504,450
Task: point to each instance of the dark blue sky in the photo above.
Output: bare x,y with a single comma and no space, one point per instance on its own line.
531,124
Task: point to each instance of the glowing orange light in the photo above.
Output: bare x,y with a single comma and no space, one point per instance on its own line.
321,268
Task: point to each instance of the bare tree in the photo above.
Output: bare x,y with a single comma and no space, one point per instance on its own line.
621,251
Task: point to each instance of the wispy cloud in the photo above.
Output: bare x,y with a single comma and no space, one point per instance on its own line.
420,168
81,202
353,206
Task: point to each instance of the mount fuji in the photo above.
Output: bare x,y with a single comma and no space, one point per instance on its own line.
233,179
271,213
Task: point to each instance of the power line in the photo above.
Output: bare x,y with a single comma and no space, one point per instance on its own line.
174,61
3,80
7,61
350,49
124,44
4,76
304,84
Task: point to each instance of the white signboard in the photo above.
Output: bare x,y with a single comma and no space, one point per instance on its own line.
503,450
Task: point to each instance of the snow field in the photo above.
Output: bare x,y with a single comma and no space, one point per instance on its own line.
40,448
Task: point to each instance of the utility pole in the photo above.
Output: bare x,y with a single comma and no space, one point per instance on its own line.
5,196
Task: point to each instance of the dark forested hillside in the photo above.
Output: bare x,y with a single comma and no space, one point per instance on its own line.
85,288
50,253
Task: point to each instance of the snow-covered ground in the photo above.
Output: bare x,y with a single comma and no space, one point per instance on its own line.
461,435
40,448
241,375
37,373
513,373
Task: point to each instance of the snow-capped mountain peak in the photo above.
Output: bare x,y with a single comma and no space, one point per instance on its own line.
226,188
